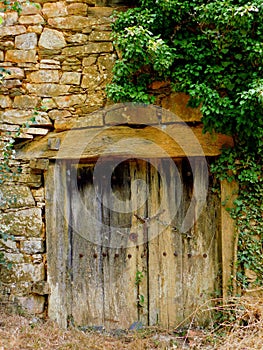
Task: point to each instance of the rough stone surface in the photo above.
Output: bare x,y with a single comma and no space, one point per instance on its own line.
89,61
71,78
132,115
30,179
9,18
14,30
32,19
17,116
49,64
52,39
34,131
5,101
95,119
9,246
26,41
77,9
33,304
77,38
18,56
32,246
47,90
70,100
48,103
15,197
40,164
31,272
88,49
10,84
15,258
25,102
44,76
92,80
56,9
38,28
14,73
40,288
57,114
75,23
100,36
106,63
30,9
64,124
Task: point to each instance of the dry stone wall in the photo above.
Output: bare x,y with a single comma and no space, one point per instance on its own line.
59,58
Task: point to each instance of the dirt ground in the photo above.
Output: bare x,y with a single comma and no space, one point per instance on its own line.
240,328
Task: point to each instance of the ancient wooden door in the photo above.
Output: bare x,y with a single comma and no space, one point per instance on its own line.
116,254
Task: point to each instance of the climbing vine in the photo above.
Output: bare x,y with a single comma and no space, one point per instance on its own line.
213,51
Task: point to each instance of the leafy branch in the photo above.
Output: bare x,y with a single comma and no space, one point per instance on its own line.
211,50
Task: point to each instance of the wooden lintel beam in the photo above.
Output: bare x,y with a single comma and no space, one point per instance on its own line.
173,140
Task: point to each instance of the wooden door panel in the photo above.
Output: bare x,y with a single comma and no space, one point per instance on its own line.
200,252
183,267
123,256
87,281
104,270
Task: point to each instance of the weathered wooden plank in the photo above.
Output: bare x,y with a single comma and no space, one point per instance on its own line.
228,195
58,244
121,304
201,252
183,266
87,279
105,256
119,290
165,269
175,140
139,199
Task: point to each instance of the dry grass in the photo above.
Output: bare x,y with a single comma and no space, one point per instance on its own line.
241,328
244,331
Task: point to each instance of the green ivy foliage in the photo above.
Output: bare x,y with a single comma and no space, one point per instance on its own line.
245,167
213,51
8,5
